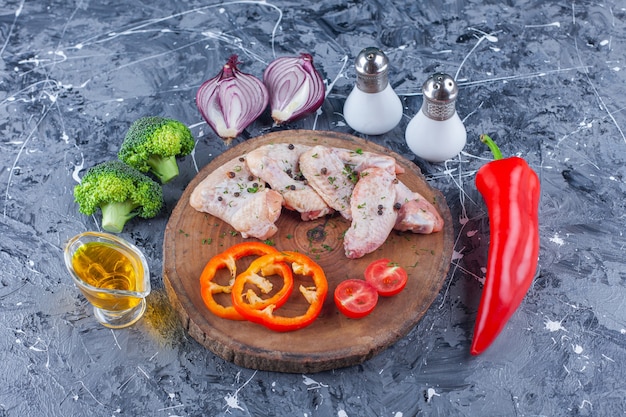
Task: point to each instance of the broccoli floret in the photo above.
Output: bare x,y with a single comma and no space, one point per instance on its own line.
153,144
120,191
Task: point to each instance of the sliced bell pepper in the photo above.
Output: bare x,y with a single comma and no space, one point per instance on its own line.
228,259
301,265
511,191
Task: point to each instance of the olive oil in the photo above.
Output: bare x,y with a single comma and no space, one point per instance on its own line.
104,266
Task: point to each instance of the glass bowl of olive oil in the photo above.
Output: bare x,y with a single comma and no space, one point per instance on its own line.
112,274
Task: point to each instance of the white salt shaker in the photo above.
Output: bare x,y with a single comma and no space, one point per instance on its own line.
436,133
372,107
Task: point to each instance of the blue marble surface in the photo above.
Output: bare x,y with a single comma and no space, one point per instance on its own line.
546,79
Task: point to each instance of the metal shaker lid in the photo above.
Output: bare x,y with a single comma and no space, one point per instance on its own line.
440,93
372,67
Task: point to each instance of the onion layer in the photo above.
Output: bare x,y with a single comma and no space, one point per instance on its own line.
232,100
296,88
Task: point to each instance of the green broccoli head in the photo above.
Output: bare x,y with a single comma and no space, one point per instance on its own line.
120,191
153,144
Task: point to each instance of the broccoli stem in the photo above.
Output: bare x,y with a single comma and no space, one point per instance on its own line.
115,215
165,168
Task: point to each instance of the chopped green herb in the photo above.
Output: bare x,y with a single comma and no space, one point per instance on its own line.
207,241
289,236
269,242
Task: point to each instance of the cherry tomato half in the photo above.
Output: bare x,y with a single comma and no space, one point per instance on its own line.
355,298
387,277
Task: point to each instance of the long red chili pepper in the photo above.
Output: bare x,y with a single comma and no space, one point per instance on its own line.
511,192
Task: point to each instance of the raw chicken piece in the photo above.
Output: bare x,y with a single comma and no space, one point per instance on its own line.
233,194
278,165
415,214
327,174
373,216
362,160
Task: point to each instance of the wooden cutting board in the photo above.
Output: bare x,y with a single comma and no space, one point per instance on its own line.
332,341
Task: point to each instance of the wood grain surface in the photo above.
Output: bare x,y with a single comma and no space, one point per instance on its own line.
332,341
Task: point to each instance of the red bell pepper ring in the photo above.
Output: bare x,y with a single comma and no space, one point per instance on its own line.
302,265
511,192
228,259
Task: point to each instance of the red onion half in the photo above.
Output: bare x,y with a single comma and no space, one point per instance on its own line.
232,100
296,88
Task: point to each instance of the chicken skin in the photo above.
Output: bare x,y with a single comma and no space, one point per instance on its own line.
233,194
415,213
330,177
278,165
373,215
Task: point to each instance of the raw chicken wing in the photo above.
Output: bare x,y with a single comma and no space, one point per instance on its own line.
328,175
416,214
278,165
362,160
373,215
233,194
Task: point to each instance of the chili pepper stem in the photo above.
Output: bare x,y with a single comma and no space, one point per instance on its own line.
497,154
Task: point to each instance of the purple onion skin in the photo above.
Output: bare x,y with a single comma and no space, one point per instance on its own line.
295,87
232,100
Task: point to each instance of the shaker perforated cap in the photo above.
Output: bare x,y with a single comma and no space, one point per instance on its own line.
372,67
440,93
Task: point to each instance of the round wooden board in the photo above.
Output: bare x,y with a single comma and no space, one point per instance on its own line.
332,341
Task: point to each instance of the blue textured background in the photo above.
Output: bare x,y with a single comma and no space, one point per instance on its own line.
546,79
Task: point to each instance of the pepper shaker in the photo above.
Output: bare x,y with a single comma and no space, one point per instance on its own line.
372,107
436,133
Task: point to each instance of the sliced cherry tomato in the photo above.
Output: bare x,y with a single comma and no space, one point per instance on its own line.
387,277
355,298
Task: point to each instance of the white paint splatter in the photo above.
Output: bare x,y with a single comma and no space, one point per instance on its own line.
578,349
586,402
398,414
555,24
232,400
313,384
557,239
77,169
430,393
342,413
604,42
456,255
554,326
